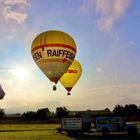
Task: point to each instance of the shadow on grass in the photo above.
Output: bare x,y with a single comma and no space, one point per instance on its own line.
22,130
110,137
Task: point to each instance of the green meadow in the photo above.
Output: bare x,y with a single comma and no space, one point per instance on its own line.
48,132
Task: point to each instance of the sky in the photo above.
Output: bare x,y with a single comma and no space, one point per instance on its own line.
106,33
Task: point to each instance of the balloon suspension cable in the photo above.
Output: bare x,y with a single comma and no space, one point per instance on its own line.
68,93
54,87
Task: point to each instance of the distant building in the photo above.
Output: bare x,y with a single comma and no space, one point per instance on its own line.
91,113
16,115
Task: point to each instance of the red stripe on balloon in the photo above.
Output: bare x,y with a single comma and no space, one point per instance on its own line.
62,61
53,46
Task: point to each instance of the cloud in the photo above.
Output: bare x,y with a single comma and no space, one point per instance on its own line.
99,69
110,12
21,3
9,37
86,5
10,15
127,100
118,87
132,44
108,96
13,30
5,69
14,10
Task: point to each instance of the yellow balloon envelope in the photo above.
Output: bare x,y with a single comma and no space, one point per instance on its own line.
69,79
53,51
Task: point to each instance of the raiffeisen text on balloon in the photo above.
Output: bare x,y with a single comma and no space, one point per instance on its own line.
55,53
61,53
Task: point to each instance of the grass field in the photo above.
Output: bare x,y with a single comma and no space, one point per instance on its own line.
138,126
48,132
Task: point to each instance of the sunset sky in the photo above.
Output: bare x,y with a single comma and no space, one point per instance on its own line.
107,35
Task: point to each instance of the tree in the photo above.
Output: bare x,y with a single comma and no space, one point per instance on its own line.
2,113
119,110
127,110
29,116
43,114
61,112
131,110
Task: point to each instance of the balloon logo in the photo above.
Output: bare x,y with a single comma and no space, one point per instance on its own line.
69,79
53,51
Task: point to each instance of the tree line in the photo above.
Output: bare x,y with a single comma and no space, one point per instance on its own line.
127,110
44,114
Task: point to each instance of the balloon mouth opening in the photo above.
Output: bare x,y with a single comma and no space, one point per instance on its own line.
54,79
1,97
68,89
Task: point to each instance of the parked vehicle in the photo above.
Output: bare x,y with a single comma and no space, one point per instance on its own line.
71,125
78,125
114,124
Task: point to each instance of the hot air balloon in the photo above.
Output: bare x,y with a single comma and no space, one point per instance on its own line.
69,79
2,93
53,51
